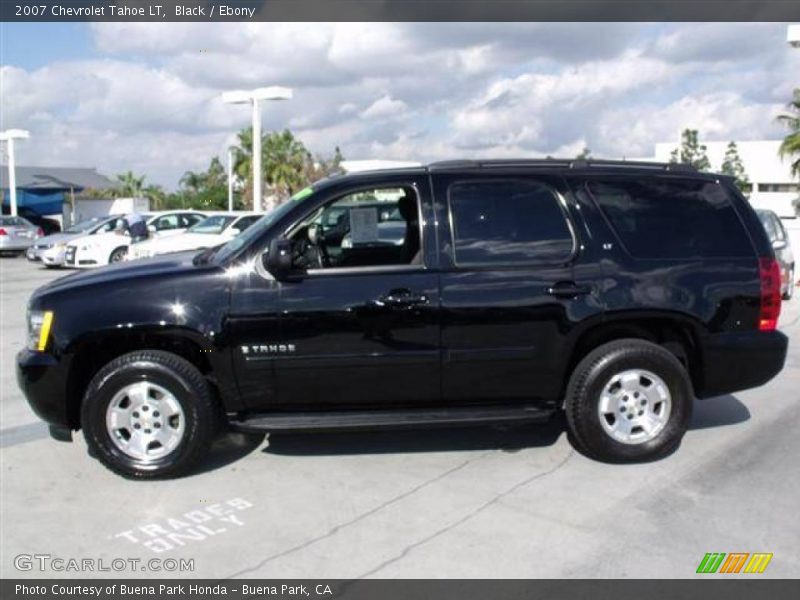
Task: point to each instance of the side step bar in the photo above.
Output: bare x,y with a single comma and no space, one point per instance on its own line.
392,418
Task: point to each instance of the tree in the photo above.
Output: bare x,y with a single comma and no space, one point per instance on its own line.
691,152
205,190
287,164
584,154
732,165
129,185
790,146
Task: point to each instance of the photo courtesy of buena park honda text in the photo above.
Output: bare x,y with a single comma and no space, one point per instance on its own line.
357,299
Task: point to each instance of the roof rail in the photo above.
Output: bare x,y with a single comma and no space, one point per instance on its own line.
563,163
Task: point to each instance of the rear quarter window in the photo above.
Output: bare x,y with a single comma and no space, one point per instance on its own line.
670,218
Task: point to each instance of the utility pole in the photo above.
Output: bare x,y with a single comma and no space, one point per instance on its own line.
254,98
8,136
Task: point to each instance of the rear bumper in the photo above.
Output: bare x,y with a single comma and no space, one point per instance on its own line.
738,361
43,380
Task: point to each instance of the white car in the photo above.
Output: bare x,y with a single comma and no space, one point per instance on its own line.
110,245
213,231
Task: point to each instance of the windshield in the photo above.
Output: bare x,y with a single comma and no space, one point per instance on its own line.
257,228
85,225
213,224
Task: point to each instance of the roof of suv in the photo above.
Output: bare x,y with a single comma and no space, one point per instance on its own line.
553,164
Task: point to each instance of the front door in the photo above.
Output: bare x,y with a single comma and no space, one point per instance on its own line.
358,323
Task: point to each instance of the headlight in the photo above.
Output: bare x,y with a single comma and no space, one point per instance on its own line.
60,245
39,324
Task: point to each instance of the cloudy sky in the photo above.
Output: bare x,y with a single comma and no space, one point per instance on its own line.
146,96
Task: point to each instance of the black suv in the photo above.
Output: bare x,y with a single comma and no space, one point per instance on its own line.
616,291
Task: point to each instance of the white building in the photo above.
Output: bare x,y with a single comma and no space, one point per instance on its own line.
773,186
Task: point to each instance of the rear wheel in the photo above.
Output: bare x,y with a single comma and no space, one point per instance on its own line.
149,414
627,401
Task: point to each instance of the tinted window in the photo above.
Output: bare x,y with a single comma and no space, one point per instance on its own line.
506,222
662,218
167,222
245,222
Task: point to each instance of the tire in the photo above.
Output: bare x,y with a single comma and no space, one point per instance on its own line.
118,255
632,385
790,288
168,402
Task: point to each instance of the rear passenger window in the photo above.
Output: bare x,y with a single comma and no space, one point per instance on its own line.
507,222
660,218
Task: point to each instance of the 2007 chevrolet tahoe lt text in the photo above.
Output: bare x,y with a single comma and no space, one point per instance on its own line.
461,292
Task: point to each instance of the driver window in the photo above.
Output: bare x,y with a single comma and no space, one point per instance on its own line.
368,228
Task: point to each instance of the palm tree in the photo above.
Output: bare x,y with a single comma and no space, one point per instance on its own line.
130,185
284,160
790,147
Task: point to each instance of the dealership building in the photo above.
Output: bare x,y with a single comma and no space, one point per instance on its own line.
46,190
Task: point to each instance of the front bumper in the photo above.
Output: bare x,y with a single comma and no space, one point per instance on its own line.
42,378
738,361
78,258
53,257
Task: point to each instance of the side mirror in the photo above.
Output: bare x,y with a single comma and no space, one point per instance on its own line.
779,244
151,228
233,231
278,261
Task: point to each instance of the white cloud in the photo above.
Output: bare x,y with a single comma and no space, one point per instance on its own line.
150,101
385,107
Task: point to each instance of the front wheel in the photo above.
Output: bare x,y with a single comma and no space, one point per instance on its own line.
118,255
149,414
627,401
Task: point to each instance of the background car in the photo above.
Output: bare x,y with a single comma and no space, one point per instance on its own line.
783,249
213,231
50,249
17,234
113,246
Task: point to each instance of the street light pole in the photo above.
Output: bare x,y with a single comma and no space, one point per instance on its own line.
230,178
258,174
9,136
254,98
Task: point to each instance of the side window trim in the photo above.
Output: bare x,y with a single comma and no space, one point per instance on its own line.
526,265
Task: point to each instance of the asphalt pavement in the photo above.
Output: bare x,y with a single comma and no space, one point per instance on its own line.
473,503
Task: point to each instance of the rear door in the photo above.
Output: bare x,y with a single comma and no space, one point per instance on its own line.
509,295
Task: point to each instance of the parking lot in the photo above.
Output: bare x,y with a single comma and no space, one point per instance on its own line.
516,503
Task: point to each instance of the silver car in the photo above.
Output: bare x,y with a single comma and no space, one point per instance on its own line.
783,250
50,249
17,234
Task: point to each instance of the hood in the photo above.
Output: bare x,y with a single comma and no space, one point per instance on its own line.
125,272
55,238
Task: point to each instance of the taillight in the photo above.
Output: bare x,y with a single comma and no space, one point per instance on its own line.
3,231
769,272
39,232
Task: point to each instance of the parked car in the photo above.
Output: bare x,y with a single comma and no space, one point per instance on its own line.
212,231
17,234
48,226
783,249
113,246
50,249
616,291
